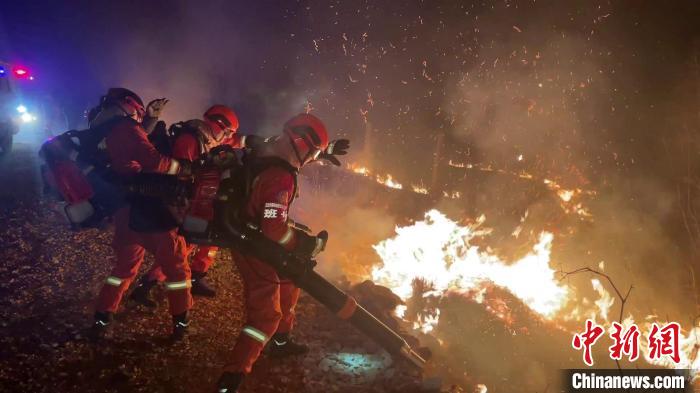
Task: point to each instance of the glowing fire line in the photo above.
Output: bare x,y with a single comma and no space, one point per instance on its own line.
438,252
568,197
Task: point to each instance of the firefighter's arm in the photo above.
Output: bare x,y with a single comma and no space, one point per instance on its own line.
251,141
153,112
148,157
274,189
278,193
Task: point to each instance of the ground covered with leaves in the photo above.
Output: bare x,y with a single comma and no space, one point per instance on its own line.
50,276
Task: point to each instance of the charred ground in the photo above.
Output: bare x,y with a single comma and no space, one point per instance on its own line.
51,277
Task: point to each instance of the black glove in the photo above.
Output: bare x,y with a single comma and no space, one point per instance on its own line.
337,147
222,157
310,246
253,141
321,241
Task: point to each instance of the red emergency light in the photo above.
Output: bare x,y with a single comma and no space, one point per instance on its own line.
20,72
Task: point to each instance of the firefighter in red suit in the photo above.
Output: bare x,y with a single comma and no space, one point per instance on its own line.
197,138
269,299
147,229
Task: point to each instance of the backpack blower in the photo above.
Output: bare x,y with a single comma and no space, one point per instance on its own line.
216,196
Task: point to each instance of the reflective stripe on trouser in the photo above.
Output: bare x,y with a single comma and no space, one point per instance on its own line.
269,307
178,285
170,254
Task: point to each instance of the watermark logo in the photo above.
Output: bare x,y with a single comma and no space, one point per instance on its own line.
661,341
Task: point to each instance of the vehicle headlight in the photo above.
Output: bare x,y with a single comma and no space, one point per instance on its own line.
22,109
27,118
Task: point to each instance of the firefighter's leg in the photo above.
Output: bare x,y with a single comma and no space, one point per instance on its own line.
142,293
282,344
289,295
155,274
201,260
262,302
171,255
129,255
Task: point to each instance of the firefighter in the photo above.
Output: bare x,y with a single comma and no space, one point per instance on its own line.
194,139
142,225
269,299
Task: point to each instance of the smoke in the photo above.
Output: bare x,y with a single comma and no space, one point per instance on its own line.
600,97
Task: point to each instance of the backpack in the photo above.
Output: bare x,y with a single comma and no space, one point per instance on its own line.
219,197
77,169
163,138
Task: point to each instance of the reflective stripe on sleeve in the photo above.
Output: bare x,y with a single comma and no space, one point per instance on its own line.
287,237
255,334
174,167
211,253
275,205
115,281
174,286
243,141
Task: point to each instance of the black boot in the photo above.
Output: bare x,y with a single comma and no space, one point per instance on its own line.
142,293
229,382
200,287
282,346
180,324
99,327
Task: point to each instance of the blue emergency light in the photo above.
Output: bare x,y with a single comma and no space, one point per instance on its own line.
2,71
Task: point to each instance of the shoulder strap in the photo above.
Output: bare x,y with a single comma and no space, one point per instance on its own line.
254,166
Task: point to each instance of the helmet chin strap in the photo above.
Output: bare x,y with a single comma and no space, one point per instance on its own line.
132,115
302,162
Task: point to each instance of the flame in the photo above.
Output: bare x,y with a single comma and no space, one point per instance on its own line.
569,197
438,251
419,189
359,169
389,181
605,302
386,180
565,195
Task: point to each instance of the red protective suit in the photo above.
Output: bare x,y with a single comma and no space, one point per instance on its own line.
269,301
188,147
130,152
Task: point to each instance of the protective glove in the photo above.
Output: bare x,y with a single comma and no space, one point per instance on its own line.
337,147
222,157
155,107
253,141
321,241
310,246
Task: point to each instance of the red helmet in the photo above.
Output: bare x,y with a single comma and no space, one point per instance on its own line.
225,120
308,135
126,99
